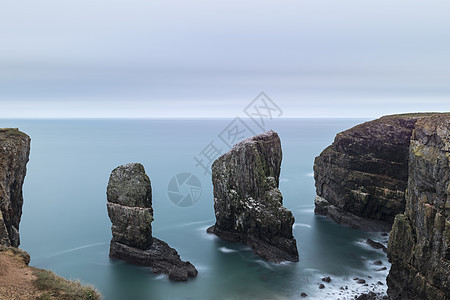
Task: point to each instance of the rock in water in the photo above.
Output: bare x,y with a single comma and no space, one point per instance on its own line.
247,202
419,243
130,209
362,177
14,152
129,205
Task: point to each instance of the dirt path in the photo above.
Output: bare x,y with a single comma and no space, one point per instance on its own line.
16,279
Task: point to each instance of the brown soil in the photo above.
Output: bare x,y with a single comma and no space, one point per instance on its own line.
16,279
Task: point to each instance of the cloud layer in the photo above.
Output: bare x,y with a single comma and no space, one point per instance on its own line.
201,58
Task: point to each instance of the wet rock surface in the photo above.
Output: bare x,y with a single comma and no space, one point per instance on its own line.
247,202
130,210
14,153
159,256
376,245
368,296
419,243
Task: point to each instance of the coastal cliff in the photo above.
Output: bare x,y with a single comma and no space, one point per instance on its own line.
14,153
395,170
247,202
362,177
130,209
17,279
419,244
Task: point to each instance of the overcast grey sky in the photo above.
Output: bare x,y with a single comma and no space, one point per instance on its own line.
173,58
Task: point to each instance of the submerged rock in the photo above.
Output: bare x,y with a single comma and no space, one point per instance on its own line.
362,177
376,245
361,281
419,243
377,263
247,202
14,153
130,209
368,296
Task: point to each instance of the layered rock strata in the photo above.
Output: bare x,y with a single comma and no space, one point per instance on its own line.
419,243
14,153
362,177
130,209
247,202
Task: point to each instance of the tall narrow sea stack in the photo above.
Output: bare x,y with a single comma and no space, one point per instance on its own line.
130,210
419,244
14,152
247,202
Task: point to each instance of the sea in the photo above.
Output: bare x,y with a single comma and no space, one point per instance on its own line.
66,229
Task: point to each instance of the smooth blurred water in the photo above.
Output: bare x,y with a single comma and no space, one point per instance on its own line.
65,226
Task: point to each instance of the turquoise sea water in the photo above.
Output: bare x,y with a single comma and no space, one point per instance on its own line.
65,226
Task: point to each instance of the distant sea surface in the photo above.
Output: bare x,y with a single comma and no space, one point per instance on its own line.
65,225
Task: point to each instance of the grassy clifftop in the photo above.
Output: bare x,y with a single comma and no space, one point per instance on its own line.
20,281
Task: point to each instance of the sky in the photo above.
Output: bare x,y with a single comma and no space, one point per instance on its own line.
210,59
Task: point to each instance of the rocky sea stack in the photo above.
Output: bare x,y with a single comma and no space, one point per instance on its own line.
419,244
247,202
14,153
129,206
362,177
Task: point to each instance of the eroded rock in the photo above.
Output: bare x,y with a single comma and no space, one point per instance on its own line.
362,177
130,209
419,243
247,202
14,153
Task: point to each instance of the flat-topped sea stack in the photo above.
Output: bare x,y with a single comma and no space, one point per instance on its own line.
14,153
419,243
362,177
129,206
247,202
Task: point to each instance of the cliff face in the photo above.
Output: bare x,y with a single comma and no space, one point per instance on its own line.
419,244
247,201
130,209
14,152
362,177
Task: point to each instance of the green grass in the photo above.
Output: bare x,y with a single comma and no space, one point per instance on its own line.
414,115
14,131
55,287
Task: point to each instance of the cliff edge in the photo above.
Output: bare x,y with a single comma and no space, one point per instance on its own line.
419,244
14,153
362,177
